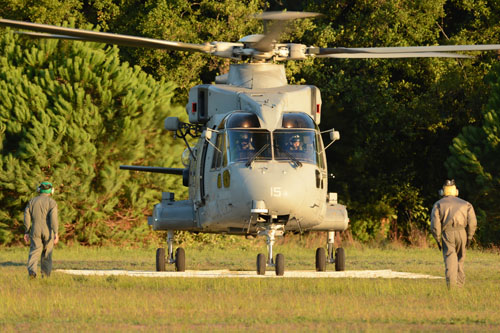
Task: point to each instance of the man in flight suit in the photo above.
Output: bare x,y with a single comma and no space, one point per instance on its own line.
40,220
295,143
453,222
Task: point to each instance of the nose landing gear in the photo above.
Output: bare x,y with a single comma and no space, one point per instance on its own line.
271,231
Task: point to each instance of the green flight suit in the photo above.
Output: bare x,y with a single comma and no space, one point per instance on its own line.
41,222
453,222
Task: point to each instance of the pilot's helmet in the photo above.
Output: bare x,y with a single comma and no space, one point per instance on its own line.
295,138
449,188
245,138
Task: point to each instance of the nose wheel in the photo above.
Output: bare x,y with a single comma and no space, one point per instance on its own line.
278,263
271,231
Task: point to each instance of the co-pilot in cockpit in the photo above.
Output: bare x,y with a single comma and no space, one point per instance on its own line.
245,141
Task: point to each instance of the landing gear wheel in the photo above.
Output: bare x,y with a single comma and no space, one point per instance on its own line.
180,260
320,259
339,259
160,259
280,264
261,264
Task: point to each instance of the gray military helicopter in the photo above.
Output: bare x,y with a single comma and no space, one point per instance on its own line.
259,165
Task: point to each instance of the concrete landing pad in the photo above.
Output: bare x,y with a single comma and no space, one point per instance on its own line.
385,274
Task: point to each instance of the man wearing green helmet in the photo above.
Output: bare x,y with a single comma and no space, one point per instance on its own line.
41,222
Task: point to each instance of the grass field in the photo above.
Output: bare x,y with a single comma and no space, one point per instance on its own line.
77,303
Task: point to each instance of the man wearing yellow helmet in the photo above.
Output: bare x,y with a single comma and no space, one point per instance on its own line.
453,224
41,223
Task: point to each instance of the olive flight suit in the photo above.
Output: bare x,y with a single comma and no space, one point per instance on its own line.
41,222
453,222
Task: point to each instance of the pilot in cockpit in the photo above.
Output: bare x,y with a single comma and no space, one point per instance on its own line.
245,142
295,144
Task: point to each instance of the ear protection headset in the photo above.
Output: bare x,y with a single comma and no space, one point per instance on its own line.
449,188
45,187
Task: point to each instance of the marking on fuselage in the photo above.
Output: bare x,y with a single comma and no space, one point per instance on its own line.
276,192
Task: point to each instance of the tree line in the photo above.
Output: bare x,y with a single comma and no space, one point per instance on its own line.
73,112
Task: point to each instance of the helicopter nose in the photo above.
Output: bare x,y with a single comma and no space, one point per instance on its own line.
280,188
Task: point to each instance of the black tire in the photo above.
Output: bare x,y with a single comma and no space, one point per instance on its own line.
180,260
320,259
261,264
339,259
280,264
160,259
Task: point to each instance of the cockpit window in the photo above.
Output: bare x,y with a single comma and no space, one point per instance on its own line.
295,144
240,139
244,144
240,120
220,156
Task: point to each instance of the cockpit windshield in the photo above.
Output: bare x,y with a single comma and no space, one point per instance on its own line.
242,140
244,144
299,144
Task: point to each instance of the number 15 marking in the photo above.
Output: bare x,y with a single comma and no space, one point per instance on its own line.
276,191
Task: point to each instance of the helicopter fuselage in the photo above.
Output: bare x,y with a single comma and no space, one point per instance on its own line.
260,159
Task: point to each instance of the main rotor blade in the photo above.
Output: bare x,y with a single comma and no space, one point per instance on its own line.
104,37
48,36
266,43
395,55
285,16
373,52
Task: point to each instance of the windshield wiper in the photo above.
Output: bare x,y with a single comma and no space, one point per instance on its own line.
290,156
261,150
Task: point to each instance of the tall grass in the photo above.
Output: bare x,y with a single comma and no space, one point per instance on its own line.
117,303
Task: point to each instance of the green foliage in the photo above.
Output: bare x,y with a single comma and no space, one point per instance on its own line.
71,113
42,11
179,20
397,117
195,23
475,164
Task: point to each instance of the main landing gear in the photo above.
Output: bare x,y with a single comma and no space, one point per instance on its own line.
180,256
271,231
322,259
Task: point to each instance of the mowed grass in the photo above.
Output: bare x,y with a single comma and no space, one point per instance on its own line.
118,303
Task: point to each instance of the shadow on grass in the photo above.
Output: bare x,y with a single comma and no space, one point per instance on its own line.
11,264
100,264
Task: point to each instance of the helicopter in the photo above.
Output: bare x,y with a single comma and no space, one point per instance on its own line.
259,166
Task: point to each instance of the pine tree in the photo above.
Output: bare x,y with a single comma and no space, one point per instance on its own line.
71,113
475,164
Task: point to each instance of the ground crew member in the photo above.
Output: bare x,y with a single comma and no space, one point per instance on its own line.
453,224
40,220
